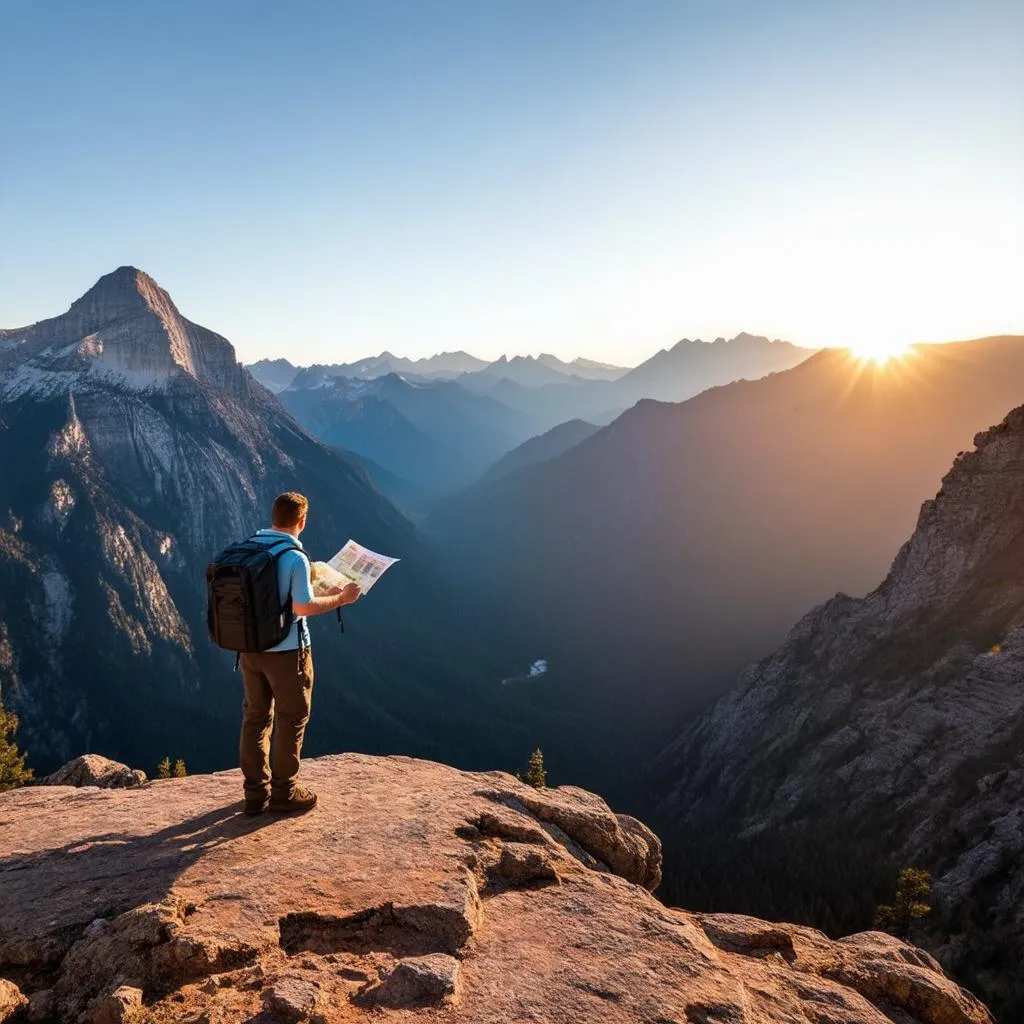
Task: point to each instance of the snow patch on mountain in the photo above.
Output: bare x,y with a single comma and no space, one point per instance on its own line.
70,439
57,596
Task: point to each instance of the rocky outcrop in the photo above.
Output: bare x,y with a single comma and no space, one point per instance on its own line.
94,770
902,713
412,891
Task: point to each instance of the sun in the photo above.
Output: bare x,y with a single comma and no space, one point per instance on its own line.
879,351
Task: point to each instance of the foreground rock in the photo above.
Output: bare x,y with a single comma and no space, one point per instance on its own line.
94,770
413,891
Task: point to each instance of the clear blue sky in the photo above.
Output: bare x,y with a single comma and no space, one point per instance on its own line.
326,179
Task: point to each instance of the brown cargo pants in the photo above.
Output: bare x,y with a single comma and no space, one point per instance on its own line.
278,687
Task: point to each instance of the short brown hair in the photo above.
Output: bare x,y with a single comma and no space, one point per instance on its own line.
288,509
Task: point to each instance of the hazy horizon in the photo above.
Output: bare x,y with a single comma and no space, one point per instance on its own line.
579,179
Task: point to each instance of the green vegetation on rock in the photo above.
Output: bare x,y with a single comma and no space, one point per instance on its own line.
13,772
913,890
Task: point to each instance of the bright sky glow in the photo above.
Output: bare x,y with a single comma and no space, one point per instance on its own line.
323,180
881,353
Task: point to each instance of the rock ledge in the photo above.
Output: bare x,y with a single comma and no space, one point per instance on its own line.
413,891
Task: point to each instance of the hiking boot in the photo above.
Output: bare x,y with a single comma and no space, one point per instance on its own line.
300,800
256,805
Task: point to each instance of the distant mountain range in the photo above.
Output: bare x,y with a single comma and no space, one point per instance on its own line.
536,371
278,374
435,434
440,434
651,561
672,375
886,730
132,448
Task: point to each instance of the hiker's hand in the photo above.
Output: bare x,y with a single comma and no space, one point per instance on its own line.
350,594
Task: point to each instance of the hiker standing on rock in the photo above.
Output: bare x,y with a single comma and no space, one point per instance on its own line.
260,594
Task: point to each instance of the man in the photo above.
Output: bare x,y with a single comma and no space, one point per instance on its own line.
279,682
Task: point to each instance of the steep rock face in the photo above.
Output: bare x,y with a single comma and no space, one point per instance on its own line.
902,713
133,447
412,892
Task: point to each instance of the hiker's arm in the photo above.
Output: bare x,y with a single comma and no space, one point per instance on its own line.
304,602
328,602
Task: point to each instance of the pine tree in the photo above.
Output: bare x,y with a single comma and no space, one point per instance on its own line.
163,769
179,769
535,775
13,772
913,890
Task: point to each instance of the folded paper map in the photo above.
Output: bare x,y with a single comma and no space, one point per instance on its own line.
352,564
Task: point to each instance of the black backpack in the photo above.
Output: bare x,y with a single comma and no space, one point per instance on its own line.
244,611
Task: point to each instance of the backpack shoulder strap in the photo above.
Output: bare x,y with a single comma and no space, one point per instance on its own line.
287,548
289,545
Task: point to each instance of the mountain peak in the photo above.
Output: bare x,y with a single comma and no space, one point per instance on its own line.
124,328
123,292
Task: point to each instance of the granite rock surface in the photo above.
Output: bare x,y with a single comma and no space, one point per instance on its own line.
412,892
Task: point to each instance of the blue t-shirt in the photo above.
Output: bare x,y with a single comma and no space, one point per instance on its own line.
292,578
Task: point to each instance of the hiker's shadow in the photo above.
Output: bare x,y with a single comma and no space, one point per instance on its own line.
105,874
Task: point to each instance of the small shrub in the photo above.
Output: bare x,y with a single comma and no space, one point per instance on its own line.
13,772
913,889
535,775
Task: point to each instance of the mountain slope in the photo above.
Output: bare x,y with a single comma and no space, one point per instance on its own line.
902,711
548,445
134,447
358,420
649,563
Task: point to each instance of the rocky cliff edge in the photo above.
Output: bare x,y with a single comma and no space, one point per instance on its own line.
412,892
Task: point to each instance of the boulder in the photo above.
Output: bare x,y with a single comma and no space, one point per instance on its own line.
122,1006
291,999
94,770
467,898
11,1000
417,981
40,1006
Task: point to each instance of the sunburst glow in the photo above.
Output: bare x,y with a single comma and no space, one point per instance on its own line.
880,351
